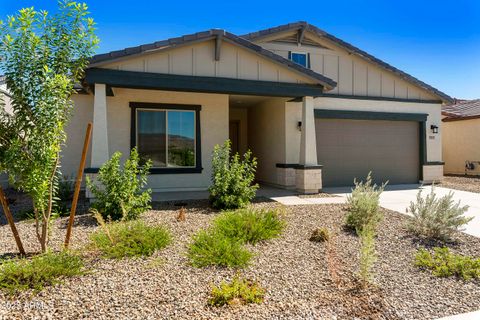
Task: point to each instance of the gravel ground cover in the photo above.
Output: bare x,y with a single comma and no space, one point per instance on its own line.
303,279
464,183
317,195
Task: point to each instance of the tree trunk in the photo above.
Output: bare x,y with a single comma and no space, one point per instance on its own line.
11,222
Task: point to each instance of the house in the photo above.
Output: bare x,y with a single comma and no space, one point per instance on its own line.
461,143
5,99
316,111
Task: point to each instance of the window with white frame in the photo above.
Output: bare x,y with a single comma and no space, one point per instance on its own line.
300,58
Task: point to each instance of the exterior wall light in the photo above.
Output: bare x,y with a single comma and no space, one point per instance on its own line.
434,128
299,125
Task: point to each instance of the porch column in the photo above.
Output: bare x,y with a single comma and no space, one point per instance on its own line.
100,152
308,174
308,142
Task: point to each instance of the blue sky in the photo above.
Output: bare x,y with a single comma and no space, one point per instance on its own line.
436,41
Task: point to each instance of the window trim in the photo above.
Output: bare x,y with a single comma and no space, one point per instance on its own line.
307,64
134,106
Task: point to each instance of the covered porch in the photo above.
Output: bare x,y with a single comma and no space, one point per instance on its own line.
273,119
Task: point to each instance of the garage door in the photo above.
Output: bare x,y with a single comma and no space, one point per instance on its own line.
349,149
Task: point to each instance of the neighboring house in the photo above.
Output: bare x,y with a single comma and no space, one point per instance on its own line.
461,132
315,110
5,99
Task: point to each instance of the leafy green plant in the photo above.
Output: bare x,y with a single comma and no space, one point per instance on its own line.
42,56
368,254
211,247
42,270
232,178
363,204
238,291
249,225
320,235
120,196
129,239
443,263
436,218
64,195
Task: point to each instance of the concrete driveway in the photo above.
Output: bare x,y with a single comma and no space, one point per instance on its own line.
398,198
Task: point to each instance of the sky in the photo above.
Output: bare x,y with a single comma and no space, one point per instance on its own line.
435,41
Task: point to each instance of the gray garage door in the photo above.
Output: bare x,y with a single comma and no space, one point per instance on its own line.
351,148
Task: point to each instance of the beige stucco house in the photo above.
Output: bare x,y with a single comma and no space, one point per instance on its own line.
5,99
315,110
461,143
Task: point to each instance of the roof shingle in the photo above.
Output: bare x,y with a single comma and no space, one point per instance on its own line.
462,110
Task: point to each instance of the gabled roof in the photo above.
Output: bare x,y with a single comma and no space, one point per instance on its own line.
462,110
302,25
209,35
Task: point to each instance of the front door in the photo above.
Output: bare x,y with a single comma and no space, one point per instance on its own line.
234,136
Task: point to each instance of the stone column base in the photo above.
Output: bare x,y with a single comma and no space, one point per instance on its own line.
432,173
286,176
308,179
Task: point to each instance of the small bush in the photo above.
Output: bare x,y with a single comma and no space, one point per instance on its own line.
368,254
320,235
64,195
238,291
363,205
211,247
43,270
129,239
443,263
232,178
249,225
120,197
436,218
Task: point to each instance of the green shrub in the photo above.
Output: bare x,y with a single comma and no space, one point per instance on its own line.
249,225
211,247
64,195
320,235
129,239
363,204
368,254
443,263
120,195
42,270
232,178
436,218
238,291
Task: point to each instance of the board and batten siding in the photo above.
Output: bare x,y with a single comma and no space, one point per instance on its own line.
199,60
354,75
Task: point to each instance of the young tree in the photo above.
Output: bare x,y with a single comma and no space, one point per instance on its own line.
43,56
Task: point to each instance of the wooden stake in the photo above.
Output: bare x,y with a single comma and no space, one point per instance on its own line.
78,184
9,216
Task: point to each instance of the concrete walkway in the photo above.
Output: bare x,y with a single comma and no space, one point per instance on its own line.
398,198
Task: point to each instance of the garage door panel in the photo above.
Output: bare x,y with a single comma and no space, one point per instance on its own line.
351,148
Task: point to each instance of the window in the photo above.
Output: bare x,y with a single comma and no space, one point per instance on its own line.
301,58
167,135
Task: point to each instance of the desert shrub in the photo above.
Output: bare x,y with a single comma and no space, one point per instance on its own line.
363,204
238,291
129,239
211,247
250,225
232,178
120,196
64,195
443,263
320,235
42,270
368,254
436,218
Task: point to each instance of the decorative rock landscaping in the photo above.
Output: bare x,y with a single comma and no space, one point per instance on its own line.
295,272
